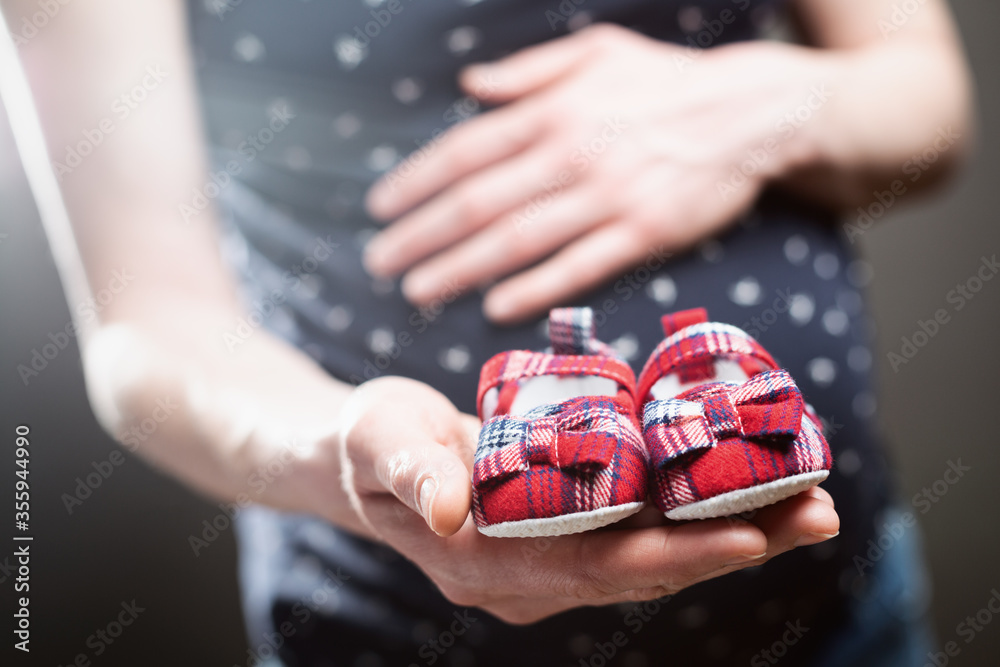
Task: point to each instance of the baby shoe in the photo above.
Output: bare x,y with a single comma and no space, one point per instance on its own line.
560,450
727,431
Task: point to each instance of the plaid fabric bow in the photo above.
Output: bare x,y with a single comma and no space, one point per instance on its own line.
768,406
581,433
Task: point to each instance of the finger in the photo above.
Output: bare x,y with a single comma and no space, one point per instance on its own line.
592,565
577,568
472,425
820,494
535,67
515,241
786,524
464,149
578,268
650,516
422,464
798,521
666,557
428,478
461,210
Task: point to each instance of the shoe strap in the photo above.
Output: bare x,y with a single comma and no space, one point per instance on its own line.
682,319
575,351
516,365
698,370
700,344
572,331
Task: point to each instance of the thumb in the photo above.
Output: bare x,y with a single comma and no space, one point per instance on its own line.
420,459
430,479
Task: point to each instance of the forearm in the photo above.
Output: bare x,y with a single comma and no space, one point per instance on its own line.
896,94
159,373
255,421
121,122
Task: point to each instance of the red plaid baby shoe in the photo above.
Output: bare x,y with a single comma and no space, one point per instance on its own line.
560,450
727,431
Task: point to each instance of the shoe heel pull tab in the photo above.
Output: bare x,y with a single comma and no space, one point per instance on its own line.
674,322
571,330
696,371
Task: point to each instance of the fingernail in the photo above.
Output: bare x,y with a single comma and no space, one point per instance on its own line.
428,490
745,558
814,538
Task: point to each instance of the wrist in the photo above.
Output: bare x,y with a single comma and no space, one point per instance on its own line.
817,133
793,92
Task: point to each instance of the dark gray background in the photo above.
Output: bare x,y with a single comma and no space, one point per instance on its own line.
129,539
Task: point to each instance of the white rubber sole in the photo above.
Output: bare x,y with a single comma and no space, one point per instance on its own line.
745,500
566,524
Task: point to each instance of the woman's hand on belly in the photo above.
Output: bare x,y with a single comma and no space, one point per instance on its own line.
407,455
609,148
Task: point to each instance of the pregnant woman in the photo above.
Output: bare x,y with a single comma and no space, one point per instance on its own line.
335,212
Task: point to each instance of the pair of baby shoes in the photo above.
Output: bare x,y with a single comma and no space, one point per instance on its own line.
571,442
